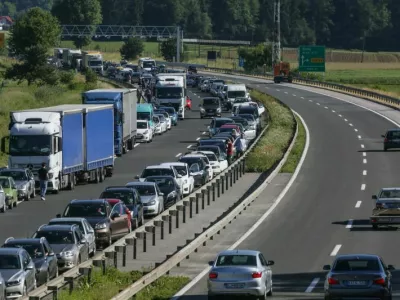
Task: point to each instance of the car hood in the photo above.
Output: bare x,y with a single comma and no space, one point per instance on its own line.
210,106
58,248
11,274
141,131
146,199
93,221
21,183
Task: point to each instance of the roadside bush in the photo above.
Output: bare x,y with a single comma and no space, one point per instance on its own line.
46,93
66,77
275,141
90,86
90,76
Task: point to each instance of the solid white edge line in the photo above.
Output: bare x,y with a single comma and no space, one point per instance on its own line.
197,139
179,154
358,204
336,250
286,93
363,187
365,172
195,280
312,285
349,224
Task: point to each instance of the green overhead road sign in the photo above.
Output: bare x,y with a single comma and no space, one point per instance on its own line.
311,58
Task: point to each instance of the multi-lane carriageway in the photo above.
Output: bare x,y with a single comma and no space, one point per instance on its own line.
325,213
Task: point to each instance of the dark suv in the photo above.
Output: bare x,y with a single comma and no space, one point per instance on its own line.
131,199
392,139
210,107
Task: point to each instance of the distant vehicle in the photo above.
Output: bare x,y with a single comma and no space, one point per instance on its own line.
210,107
192,69
24,180
387,208
10,191
3,203
168,186
240,273
358,276
391,139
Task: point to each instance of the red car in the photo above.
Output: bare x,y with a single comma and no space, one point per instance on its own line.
237,128
124,211
188,103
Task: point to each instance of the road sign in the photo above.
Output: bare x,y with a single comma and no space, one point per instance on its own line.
2,39
241,62
311,58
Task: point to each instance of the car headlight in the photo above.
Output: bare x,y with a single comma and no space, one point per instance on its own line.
66,254
202,109
14,282
219,110
172,194
146,132
23,187
101,226
152,202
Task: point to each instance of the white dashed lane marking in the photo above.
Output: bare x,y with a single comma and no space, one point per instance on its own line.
179,154
363,187
358,204
365,172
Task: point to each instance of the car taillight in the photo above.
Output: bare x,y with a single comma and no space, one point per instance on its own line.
385,140
380,281
256,275
333,280
213,275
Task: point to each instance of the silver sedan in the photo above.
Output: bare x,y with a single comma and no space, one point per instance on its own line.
240,273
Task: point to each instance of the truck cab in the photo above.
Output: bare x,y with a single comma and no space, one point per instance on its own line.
145,111
170,90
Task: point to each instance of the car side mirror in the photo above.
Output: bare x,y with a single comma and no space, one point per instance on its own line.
270,262
327,268
374,197
383,135
29,268
115,215
58,215
51,254
161,194
137,177
211,263
83,241
391,268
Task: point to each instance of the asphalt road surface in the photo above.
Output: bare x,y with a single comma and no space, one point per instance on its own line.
23,220
326,211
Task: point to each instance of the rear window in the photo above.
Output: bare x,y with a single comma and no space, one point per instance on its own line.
236,260
356,265
219,123
157,172
394,134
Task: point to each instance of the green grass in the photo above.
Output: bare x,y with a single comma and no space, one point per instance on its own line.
104,287
297,150
21,96
272,146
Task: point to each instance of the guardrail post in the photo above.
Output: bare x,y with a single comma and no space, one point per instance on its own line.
222,185
86,272
70,281
160,223
132,241
231,177
142,235
151,229
197,204
112,255
168,219
209,194
218,188
244,165
240,169
34,298
121,249
182,208
186,204
203,199
234,173
54,292
175,213
192,199
213,191
237,171
226,181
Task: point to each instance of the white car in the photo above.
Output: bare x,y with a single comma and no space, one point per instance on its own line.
160,170
217,165
163,123
144,131
187,180
206,160
157,126
167,118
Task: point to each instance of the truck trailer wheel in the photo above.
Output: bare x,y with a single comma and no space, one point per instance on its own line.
102,174
71,182
131,142
375,226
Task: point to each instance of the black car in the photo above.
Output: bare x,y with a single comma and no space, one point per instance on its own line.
129,196
197,168
42,255
168,186
210,107
192,69
248,109
392,139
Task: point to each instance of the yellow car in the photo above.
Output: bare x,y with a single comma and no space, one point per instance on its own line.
10,191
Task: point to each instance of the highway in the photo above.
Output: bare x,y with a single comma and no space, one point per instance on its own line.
23,220
326,211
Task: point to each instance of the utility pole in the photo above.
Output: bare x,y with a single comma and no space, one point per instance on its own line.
276,44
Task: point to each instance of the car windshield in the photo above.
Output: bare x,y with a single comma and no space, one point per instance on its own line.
163,183
16,175
158,172
8,262
35,251
210,101
249,118
181,170
85,210
236,260
148,64
211,157
141,125
60,222
56,237
219,123
348,265
145,190
190,160
226,129
390,194
124,196
212,149
143,116
5,183
236,94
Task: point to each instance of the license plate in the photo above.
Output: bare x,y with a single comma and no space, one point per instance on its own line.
356,282
234,285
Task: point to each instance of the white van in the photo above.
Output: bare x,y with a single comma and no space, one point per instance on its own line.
234,91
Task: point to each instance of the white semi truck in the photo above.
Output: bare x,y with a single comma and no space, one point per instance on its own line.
170,90
92,60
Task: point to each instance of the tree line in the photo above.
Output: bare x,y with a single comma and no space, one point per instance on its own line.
348,24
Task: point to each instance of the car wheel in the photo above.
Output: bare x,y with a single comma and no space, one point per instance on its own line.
26,198
15,202
374,226
10,206
270,292
47,276
94,250
4,208
33,195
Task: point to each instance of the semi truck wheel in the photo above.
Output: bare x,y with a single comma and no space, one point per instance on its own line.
71,182
130,144
96,176
102,175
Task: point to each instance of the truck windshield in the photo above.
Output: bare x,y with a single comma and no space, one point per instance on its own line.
143,116
95,63
236,94
30,145
169,93
148,64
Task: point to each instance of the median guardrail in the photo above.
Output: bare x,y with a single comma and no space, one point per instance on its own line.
208,234
178,213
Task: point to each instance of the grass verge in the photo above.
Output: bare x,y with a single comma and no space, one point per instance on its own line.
104,287
21,96
297,150
272,145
